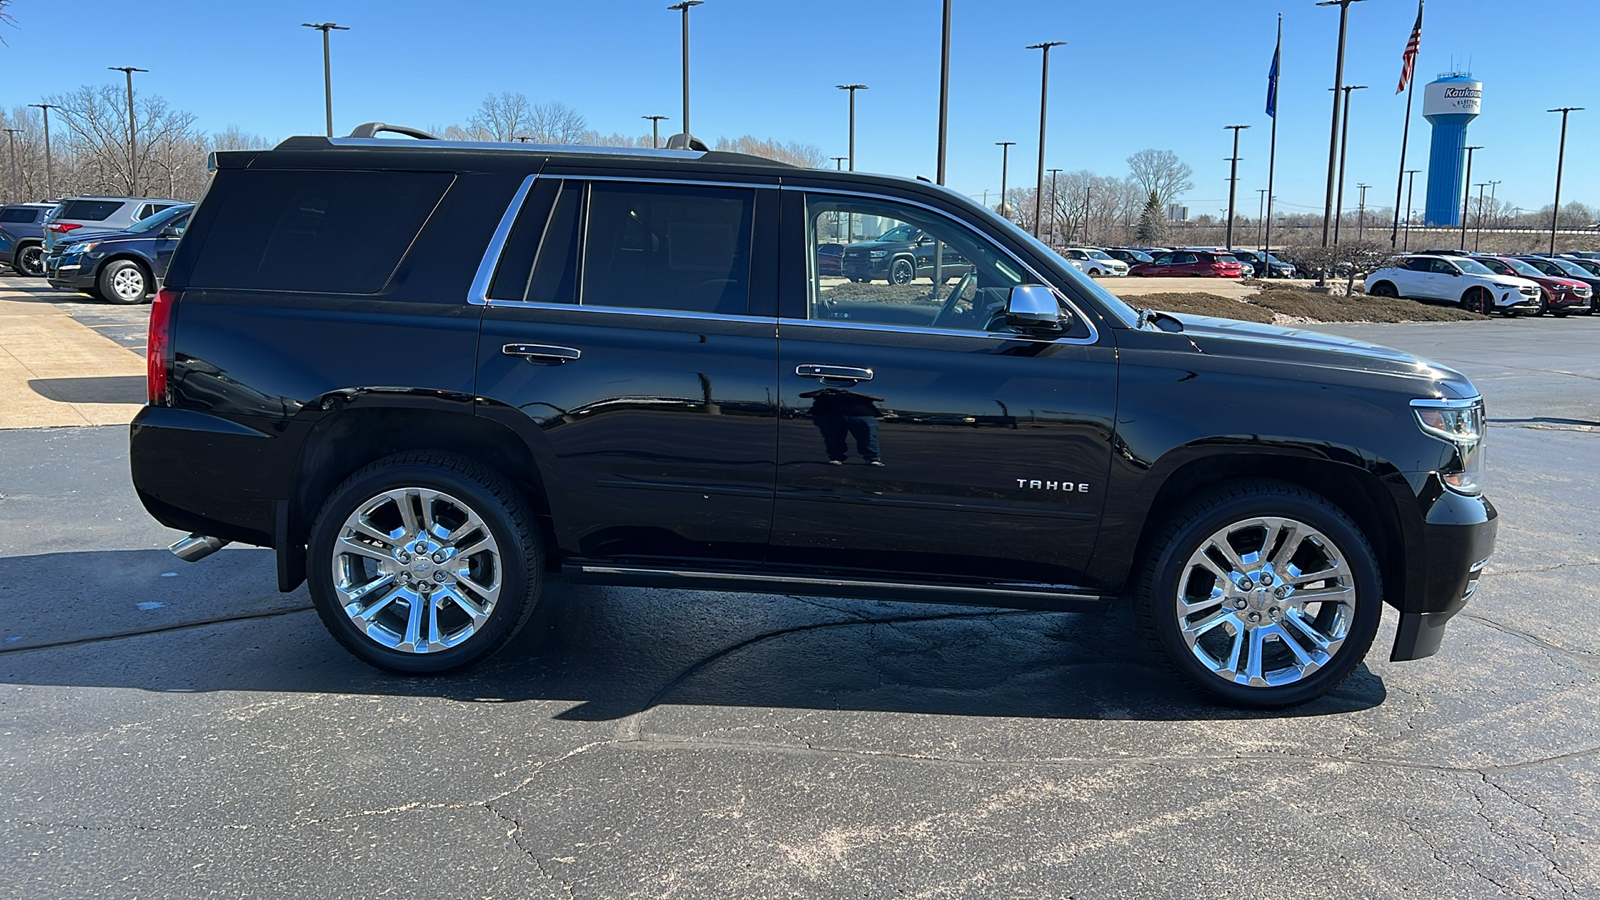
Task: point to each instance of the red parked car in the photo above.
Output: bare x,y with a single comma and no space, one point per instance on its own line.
1559,295
1191,264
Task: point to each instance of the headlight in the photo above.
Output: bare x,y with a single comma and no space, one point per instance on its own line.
877,254
84,247
1462,424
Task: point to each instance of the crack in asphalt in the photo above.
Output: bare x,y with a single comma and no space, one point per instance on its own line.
516,837
1557,653
1541,570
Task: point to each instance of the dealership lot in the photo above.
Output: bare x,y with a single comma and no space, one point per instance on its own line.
183,730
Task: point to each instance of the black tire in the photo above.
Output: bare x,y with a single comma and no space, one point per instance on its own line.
28,261
123,281
902,271
1544,303
1182,535
1384,289
504,513
1477,300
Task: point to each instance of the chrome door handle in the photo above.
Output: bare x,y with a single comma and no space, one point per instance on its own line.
546,352
831,373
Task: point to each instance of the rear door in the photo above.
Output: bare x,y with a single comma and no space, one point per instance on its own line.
630,336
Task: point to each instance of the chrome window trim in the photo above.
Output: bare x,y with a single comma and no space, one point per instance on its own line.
1094,333
626,311
687,182
478,294
945,332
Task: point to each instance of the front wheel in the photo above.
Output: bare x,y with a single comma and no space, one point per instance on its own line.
902,271
1261,595
123,281
424,563
1384,289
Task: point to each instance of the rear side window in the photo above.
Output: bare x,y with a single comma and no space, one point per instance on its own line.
18,215
676,247
89,210
335,232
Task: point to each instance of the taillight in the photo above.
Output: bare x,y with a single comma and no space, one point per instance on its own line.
158,348
64,227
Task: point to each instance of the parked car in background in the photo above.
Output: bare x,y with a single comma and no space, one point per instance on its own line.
1560,295
1568,268
1191,264
900,255
1096,263
123,266
1130,256
830,259
1457,280
1262,262
22,236
78,216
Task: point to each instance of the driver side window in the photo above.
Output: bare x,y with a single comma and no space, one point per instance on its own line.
884,263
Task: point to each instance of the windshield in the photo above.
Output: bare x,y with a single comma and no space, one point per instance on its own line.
1520,267
902,234
1588,265
1099,254
159,220
1566,266
1472,266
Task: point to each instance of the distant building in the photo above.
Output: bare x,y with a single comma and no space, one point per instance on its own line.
1176,213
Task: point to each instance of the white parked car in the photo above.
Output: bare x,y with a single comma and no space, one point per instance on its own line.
1096,262
1454,279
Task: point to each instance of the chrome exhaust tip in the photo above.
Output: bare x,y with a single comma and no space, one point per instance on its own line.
196,547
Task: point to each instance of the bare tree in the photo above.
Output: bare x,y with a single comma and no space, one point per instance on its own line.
794,153
235,138
502,118
554,123
97,136
1162,172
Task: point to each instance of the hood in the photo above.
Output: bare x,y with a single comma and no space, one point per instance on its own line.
1516,281
874,245
1227,337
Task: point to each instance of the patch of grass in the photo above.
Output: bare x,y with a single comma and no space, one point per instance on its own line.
1303,304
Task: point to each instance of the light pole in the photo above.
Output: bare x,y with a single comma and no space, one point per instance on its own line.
1477,236
49,176
852,88
1333,130
1261,213
1005,153
133,158
1044,98
1344,144
327,66
1561,162
1466,201
1233,178
1411,184
655,131
685,6
838,162
1361,211
944,92
16,183
1054,206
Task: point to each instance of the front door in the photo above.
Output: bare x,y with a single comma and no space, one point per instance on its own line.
921,438
621,340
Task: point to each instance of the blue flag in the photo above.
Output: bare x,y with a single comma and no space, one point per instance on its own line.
1272,81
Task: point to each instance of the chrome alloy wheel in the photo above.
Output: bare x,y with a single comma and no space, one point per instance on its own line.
416,570
128,284
1265,601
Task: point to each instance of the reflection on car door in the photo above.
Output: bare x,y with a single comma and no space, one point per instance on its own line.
939,450
622,339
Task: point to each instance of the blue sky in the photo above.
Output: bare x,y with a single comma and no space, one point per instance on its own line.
1149,73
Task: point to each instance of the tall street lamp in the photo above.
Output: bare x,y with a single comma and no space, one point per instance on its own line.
1233,178
1261,213
1005,154
1466,201
49,176
1561,162
1344,144
1054,206
133,157
944,92
852,88
685,6
1361,211
838,162
1044,97
1477,234
1333,130
655,131
327,65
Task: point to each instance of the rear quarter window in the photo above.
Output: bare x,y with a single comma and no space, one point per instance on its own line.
19,216
89,210
335,232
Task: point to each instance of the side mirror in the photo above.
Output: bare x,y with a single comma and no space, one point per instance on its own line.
171,232
1033,307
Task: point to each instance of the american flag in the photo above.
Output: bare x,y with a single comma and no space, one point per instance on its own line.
1408,62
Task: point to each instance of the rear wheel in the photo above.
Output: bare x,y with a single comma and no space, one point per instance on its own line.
424,563
1261,594
29,260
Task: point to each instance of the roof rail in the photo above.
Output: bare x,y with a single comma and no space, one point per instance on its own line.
686,141
371,129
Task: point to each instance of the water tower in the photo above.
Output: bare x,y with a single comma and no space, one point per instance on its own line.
1450,104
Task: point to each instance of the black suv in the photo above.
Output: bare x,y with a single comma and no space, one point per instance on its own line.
901,255
433,374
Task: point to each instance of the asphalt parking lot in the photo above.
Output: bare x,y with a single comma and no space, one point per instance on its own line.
181,730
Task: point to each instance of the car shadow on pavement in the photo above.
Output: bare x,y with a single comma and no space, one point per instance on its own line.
615,651
98,389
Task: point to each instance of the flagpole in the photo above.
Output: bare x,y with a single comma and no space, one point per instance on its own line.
1405,140
1272,154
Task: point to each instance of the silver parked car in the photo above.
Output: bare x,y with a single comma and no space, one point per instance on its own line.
79,216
